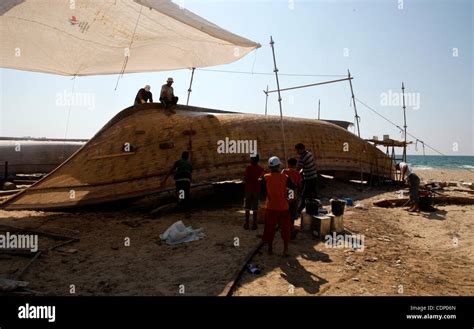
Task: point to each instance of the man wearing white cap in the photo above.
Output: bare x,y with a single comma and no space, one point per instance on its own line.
167,96
144,95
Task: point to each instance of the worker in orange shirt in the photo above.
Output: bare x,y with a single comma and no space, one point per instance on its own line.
295,176
277,205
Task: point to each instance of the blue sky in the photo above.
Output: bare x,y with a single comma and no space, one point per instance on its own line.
384,45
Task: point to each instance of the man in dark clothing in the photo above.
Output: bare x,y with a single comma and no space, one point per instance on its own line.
413,181
182,170
307,165
253,173
144,95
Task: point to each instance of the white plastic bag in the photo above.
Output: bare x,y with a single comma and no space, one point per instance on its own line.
179,233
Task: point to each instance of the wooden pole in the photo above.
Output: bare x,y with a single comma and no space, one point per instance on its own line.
319,109
404,125
358,128
266,100
190,85
279,99
310,85
353,102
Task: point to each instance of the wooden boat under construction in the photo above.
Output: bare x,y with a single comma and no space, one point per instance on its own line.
132,153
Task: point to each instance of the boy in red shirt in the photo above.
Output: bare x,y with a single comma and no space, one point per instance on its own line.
295,176
277,205
252,174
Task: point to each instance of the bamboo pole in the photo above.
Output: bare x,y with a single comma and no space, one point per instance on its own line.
404,125
266,100
353,102
279,98
310,85
319,109
358,128
190,85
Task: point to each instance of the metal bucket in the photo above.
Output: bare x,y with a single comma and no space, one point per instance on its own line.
321,225
306,220
337,224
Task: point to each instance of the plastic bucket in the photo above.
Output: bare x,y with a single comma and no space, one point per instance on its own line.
312,206
337,207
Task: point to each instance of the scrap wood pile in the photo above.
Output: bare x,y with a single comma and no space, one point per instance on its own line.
460,193
13,284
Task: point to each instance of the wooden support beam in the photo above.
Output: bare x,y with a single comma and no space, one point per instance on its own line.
310,85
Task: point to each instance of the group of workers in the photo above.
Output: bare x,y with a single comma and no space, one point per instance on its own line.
287,191
167,97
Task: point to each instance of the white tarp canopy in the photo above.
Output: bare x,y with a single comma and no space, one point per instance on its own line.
92,37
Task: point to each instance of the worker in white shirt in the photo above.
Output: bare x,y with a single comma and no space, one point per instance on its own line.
167,96
413,182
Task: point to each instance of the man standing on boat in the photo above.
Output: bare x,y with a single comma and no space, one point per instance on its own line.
307,165
144,95
182,170
167,96
413,182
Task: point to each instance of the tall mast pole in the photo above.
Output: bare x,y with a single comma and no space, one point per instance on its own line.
319,109
404,125
354,103
279,98
266,100
190,85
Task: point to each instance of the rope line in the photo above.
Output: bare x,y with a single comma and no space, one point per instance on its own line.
272,73
411,135
125,61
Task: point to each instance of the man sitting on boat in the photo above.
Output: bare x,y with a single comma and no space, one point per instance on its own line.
413,183
307,165
167,96
144,95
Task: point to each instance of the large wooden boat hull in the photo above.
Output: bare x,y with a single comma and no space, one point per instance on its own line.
132,153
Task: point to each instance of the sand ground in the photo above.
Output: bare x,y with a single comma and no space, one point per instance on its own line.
404,254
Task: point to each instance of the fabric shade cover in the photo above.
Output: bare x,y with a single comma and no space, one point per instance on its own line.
93,37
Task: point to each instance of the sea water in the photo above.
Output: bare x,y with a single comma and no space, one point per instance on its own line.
427,162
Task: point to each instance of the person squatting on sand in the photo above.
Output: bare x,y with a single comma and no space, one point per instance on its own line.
144,95
307,165
295,176
413,182
277,205
252,176
167,96
182,170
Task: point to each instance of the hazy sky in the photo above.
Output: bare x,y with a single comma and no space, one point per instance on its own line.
428,45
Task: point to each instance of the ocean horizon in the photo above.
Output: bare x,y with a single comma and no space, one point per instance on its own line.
452,162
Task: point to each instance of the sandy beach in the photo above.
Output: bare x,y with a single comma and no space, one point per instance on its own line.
404,253
446,175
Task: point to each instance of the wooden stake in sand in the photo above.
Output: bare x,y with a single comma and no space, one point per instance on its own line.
20,274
